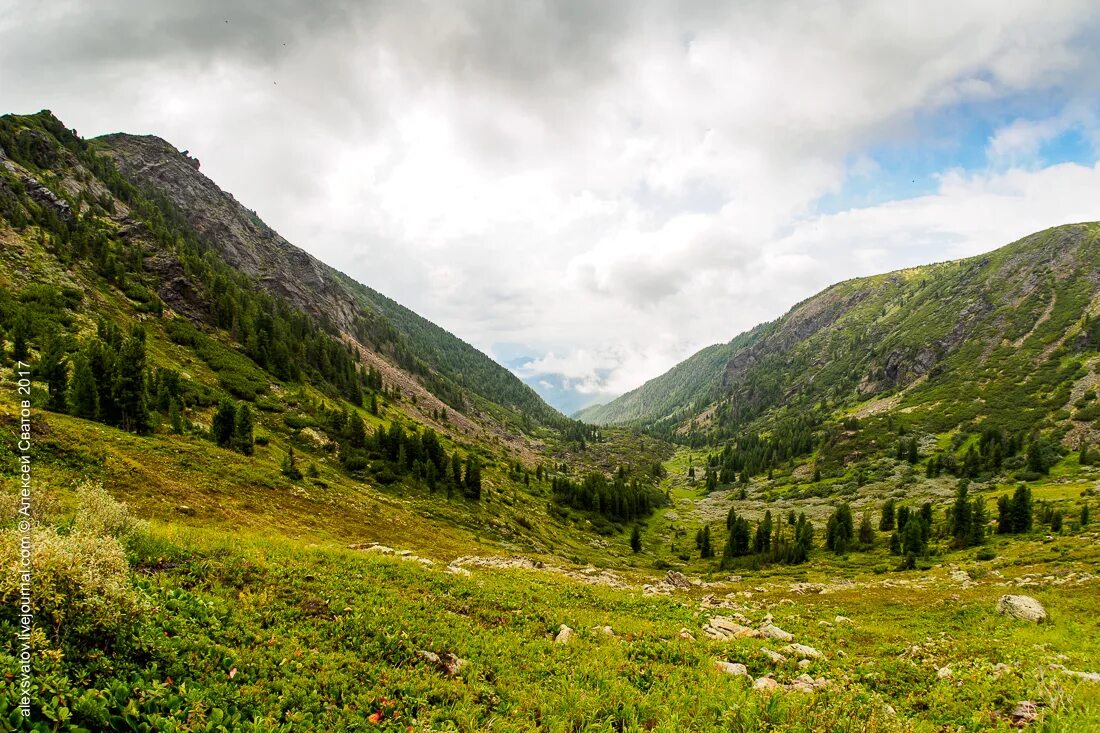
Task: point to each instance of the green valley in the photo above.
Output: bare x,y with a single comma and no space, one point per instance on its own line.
269,498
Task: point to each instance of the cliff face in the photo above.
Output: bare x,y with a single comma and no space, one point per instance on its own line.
443,363
237,234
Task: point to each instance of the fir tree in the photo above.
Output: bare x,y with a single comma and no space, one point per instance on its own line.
886,522
242,430
840,529
175,417
289,466
705,548
83,394
53,369
1084,521
221,427
636,540
960,513
129,388
866,531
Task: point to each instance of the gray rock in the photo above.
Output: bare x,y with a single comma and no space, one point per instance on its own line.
801,650
564,635
732,668
774,632
1024,608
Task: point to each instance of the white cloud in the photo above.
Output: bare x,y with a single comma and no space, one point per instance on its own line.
613,185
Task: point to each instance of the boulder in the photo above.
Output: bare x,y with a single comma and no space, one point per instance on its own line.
774,632
765,684
677,579
732,668
1024,608
723,628
943,673
686,635
564,635
773,657
801,650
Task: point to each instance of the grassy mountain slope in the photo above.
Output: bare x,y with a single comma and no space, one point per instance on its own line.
193,579
1006,324
684,390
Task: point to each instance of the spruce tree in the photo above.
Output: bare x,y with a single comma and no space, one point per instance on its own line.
840,529
1056,522
979,518
1085,515
886,522
636,540
1021,510
705,549
20,338
175,417
83,395
53,369
289,466
960,513
866,530
221,427
243,439
129,388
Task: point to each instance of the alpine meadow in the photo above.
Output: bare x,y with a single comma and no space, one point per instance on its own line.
244,491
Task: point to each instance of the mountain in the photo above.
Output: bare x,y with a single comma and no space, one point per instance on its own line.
1001,338
151,304
267,498
449,367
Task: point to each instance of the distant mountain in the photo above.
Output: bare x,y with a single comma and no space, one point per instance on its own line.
1005,337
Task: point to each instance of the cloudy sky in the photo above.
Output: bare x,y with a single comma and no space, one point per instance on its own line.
590,192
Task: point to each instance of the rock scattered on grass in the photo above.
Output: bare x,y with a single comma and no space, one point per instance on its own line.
685,634
943,673
765,684
772,656
774,632
447,663
564,635
724,628
1024,608
801,650
732,668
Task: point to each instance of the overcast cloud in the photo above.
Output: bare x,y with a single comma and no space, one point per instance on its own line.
591,191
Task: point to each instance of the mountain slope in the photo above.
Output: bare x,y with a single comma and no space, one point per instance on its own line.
1005,325
447,365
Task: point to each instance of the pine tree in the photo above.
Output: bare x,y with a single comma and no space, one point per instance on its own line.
636,540
960,513
705,549
840,529
1021,510
866,530
53,369
1085,515
472,479
20,336
243,438
289,466
1056,522
221,427
175,417
83,394
979,518
129,387
886,522
763,539
1004,515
